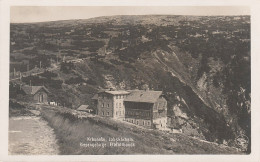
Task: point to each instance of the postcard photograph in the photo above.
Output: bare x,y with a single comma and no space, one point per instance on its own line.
130,80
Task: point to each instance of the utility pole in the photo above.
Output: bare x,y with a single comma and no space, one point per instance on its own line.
58,53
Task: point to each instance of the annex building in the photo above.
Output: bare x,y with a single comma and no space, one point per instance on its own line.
141,107
37,94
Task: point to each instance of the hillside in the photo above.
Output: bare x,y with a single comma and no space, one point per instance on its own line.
202,64
72,131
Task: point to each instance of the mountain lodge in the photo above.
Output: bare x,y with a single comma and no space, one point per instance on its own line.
141,107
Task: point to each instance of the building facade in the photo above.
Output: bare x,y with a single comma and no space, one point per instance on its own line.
140,107
111,104
37,94
146,108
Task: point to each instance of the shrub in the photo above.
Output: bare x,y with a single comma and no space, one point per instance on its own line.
73,80
91,82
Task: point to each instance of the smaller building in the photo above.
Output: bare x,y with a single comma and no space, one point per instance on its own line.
38,94
84,108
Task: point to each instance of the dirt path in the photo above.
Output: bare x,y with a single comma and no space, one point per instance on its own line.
30,135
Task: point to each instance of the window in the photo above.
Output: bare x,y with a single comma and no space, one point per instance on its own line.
103,113
116,113
119,112
107,113
137,122
116,105
116,96
148,123
119,104
103,104
107,105
132,121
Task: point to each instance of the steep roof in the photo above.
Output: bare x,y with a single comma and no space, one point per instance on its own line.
95,97
83,107
143,96
31,90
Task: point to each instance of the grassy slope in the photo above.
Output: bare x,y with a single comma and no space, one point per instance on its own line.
70,131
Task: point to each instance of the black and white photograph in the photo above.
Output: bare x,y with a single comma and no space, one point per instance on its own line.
129,80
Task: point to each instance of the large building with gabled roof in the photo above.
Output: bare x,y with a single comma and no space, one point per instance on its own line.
146,108
141,107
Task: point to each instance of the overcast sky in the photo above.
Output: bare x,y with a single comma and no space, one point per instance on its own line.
21,14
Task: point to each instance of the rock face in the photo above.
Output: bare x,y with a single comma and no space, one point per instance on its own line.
202,83
204,74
